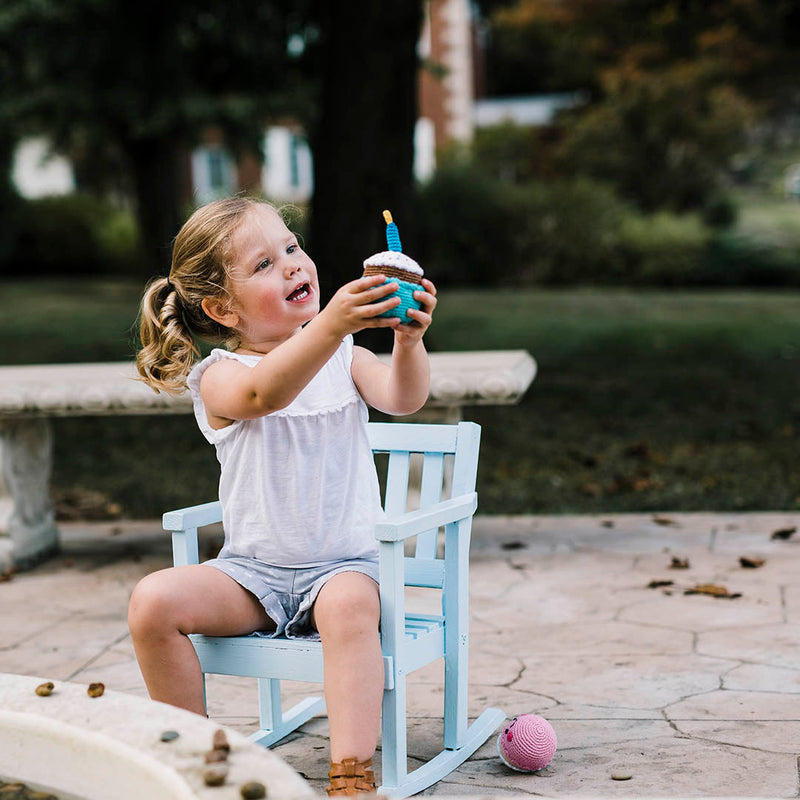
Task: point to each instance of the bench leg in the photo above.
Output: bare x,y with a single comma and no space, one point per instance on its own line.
26,449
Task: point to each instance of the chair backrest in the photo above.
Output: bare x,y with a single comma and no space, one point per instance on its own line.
449,465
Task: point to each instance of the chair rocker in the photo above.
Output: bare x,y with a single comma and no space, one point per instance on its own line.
409,641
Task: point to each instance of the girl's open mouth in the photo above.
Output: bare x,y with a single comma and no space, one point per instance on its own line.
302,292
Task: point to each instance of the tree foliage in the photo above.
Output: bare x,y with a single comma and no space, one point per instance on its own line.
143,80
673,86
132,86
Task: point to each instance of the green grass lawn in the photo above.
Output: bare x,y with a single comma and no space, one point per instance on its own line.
644,401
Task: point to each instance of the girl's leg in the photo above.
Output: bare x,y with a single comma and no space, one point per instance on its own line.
347,615
169,604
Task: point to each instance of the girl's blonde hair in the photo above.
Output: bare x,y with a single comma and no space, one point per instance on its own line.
171,313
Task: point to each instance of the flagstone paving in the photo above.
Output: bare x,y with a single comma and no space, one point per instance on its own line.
583,620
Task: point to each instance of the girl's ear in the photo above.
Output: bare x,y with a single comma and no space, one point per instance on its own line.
218,309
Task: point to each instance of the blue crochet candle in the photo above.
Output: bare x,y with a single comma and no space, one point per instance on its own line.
398,268
392,234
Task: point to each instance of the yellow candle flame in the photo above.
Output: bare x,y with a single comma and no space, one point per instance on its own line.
387,215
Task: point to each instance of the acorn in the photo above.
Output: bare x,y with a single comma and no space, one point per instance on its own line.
95,689
215,774
45,689
253,790
220,741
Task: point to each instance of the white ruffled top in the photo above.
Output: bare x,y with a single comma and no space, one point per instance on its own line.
298,487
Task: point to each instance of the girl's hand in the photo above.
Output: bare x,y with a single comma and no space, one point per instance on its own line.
353,307
410,334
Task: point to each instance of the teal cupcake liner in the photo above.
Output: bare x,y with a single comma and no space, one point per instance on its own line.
406,295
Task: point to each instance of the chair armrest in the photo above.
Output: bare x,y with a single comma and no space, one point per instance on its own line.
192,517
412,523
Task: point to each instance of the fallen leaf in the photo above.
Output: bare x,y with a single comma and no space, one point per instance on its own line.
586,459
592,489
643,483
657,584
640,450
679,563
513,545
712,590
84,504
751,563
607,523
664,521
783,533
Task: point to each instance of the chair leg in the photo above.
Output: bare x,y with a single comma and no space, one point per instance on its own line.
443,764
270,712
275,725
394,744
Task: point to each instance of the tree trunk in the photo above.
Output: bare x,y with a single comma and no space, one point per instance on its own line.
9,199
157,166
363,140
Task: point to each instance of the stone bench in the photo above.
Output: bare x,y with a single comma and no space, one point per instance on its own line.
30,396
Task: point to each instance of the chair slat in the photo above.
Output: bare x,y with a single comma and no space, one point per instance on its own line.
386,436
397,482
425,572
430,493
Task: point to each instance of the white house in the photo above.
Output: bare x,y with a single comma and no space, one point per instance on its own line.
448,112
38,172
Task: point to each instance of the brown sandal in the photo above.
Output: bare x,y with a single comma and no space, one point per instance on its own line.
351,776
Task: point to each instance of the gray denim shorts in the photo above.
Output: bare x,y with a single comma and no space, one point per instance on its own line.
287,593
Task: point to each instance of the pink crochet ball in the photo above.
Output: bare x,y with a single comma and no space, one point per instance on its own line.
527,743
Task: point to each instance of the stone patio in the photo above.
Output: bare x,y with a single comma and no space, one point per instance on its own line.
689,694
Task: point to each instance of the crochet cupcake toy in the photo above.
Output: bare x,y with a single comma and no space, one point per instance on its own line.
398,268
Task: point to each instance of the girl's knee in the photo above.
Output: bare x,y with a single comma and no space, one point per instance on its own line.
152,606
348,602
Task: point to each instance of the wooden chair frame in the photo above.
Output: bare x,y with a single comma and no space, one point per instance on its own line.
409,641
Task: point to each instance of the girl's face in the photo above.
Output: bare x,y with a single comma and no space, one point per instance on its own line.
273,282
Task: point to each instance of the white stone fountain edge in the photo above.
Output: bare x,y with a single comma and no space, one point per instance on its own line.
96,747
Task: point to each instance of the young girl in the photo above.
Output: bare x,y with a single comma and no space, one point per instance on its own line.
285,408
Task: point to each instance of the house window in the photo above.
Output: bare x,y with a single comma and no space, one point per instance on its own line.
213,174
294,167
216,170
287,170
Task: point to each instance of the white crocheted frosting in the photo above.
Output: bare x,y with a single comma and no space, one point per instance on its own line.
390,258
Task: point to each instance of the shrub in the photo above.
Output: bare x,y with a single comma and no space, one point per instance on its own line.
568,232
663,249
744,260
478,230
465,225
720,211
71,235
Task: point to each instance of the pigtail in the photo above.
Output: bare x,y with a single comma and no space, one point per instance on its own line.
172,312
168,350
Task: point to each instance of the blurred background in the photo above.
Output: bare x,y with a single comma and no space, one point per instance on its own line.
612,185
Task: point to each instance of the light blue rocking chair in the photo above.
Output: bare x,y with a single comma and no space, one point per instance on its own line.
409,641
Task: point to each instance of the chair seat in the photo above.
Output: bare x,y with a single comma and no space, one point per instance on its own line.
258,656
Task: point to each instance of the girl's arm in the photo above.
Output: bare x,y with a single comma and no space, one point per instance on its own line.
401,387
232,391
